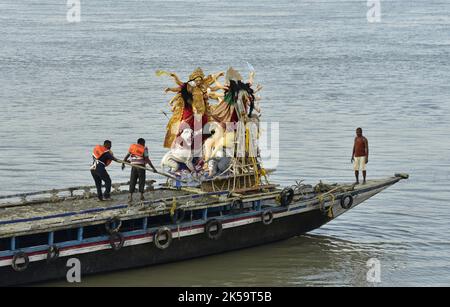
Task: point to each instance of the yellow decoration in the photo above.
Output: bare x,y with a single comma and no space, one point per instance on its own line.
160,73
177,105
174,207
198,73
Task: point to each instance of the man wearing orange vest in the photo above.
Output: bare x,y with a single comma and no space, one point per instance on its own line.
138,155
103,157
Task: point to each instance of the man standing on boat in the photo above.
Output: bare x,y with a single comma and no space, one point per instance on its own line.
103,157
360,156
138,156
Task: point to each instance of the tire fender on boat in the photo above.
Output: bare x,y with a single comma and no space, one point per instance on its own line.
286,197
347,201
23,266
113,225
267,217
217,232
157,238
116,240
52,253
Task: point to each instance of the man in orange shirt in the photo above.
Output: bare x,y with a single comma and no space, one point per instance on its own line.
360,156
102,158
138,155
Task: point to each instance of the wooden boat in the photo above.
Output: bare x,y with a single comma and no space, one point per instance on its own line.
40,232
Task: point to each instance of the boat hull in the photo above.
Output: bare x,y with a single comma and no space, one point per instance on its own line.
190,240
180,249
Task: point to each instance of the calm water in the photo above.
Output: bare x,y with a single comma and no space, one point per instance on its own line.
325,71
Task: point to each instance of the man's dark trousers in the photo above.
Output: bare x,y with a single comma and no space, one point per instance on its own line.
137,173
100,174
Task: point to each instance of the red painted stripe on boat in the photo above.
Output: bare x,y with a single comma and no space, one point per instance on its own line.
128,238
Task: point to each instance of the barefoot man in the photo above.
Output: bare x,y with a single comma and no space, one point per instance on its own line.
360,156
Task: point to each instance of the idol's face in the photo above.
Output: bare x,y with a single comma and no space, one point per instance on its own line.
198,81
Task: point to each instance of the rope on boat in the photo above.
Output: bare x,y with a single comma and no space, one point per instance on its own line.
151,170
328,190
174,206
321,198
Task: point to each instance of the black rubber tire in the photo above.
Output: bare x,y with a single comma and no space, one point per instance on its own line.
158,234
286,197
344,204
113,238
267,213
22,267
216,234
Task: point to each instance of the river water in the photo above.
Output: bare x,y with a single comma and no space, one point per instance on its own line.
325,70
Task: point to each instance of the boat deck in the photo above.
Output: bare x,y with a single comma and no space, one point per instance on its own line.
27,218
30,218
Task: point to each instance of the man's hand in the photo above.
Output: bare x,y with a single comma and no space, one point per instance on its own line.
167,90
367,160
123,166
352,160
